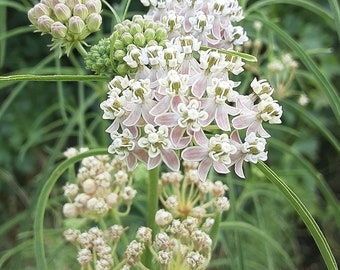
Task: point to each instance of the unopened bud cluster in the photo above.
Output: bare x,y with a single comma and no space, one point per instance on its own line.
103,185
180,244
68,21
207,200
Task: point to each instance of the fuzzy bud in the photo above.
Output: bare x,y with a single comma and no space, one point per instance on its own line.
76,25
93,22
163,218
135,28
58,30
94,6
89,186
62,12
32,17
44,23
139,40
70,210
81,11
41,9
150,34
127,38
70,3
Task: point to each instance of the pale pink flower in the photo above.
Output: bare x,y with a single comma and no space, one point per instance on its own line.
159,147
125,146
252,150
214,152
188,119
220,93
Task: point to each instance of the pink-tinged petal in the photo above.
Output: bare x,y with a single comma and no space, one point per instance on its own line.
141,154
161,107
210,107
222,119
262,132
201,139
134,116
243,121
135,131
220,167
131,162
177,138
194,153
203,169
149,118
114,126
154,162
175,101
216,30
231,110
239,168
168,119
235,137
199,87
170,159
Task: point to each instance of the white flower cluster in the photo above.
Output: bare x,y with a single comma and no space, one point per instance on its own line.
182,97
103,185
211,22
68,21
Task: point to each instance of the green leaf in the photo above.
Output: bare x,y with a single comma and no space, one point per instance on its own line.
304,214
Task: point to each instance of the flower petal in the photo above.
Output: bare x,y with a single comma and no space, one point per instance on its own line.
220,167
194,153
161,107
134,116
170,159
168,119
154,162
203,169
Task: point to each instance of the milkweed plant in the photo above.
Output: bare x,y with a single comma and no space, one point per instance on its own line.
175,112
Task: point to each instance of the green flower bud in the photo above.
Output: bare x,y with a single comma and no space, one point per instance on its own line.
123,69
49,3
44,23
118,45
81,11
138,19
150,34
41,9
127,38
93,22
62,12
161,34
94,6
76,25
119,54
58,30
139,40
135,28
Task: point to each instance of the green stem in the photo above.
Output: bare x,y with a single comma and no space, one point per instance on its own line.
53,78
151,211
304,214
80,49
38,226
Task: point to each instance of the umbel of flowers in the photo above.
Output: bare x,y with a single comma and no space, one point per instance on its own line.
182,97
182,238
69,22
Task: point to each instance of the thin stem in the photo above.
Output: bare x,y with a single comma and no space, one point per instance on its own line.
81,49
304,214
151,211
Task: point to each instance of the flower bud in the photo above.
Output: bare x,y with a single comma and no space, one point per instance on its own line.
127,38
71,3
112,199
161,34
89,186
139,40
94,6
31,16
58,30
76,25
135,28
123,69
94,21
118,45
44,23
81,11
62,12
119,55
70,210
150,34
41,9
